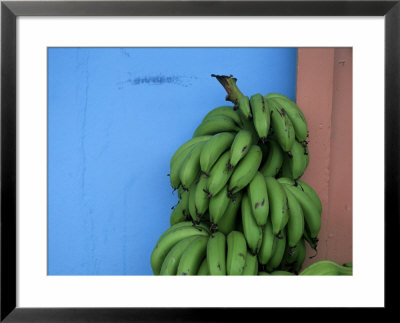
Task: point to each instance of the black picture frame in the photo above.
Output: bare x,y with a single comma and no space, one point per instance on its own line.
10,10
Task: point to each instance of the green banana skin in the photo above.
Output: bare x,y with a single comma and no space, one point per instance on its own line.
278,252
181,225
165,244
203,269
192,204
251,265
219,175
236,253
291,256
297,160
252,232
267,244
187,144
218,205
263,273
227,111
171,261
311,194
178,214
227,222
282,126
245,170
348,264
286,180
244,106
176,167
295,226
214,148
192,256
278,204
261,116
326,268
214,125
295,115
240,147
301,256
274,160
190,168
281,273
313,242
311,215
258,195
201,200
216,254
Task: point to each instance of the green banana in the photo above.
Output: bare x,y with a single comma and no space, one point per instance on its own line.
245,170
187,144
306,153
244,106
274,159
240,147
295,226
167,241
311,215
190,168
192,256
311,194
228,221
216,254
296,116
283,127
287,180
201,200
326,268
215,124
218,205
261,116
219,174
252,232
258,195
251,265
236,253
225,110
278,252
313,242
278,204
267,244
281,273
291,255
348,264
177,165
300,256
286,170
171,261
181,225
297,160
192,203
214,148
203,268
177,214
263,273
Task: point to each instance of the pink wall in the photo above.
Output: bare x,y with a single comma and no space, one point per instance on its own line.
324,93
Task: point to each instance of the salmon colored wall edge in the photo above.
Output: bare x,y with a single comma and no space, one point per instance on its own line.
324,93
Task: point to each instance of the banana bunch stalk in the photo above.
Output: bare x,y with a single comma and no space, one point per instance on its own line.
242,208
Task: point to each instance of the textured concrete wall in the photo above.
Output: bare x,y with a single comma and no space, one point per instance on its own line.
324,93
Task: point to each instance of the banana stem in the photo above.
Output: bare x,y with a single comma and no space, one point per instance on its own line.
229,84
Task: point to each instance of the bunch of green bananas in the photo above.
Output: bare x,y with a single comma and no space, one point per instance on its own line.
242,208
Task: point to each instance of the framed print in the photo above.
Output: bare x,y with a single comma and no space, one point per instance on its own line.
96,99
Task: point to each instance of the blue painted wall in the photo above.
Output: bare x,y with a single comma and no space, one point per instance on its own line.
115,117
